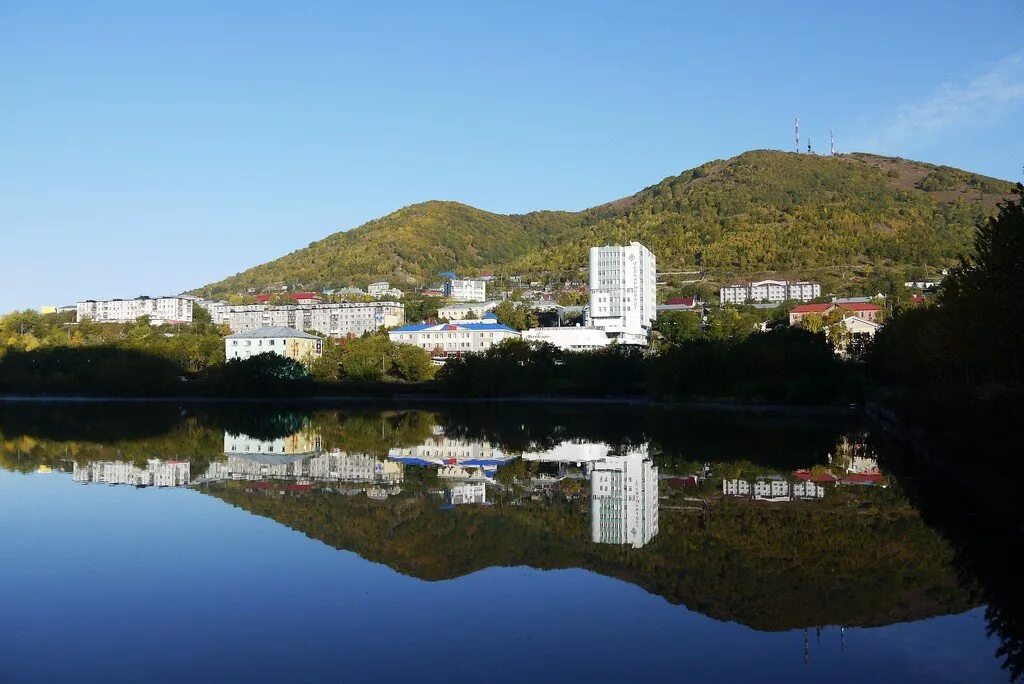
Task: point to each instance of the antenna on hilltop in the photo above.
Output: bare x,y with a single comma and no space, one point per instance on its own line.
832,142
796,123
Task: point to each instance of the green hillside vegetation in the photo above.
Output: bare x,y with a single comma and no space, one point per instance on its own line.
838,218
867,559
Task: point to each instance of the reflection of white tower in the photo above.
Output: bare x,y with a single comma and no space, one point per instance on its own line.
624,499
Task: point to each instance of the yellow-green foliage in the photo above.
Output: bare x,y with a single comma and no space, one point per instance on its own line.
761,211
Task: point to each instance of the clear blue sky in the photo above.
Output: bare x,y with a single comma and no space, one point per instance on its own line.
154,147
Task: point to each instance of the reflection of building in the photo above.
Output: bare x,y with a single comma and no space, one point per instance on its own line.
467,494
576,453
440,450
157,473
624,499
336,466
302,442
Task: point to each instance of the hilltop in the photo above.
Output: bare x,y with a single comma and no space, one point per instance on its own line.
760,212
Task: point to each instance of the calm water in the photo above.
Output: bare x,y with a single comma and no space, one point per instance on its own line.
166,543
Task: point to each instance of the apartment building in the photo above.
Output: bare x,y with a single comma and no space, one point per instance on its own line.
448,339
161,310
284,341
770,291
340,319
466,290
156,473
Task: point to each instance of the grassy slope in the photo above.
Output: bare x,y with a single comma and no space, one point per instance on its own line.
761,211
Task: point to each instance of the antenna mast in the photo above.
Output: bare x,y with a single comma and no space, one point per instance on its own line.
832,142
796,123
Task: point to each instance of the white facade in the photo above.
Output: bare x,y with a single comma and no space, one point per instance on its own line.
340,319
280,340
570,338
157,473
336,466
442,450
624,499
463,310
378,289
467,494
623,289
466,290
773,489
160,310
453,338
769,291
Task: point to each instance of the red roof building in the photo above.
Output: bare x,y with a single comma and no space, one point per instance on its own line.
866,310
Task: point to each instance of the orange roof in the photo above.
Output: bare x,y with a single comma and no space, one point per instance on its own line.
859,306
811,308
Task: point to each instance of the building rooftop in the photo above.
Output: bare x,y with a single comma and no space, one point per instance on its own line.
486,325
273,331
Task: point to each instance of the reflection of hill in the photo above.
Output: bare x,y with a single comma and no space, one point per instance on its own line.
771,568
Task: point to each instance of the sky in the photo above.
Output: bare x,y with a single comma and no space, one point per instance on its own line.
149,148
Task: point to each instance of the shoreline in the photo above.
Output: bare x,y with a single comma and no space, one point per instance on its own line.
719,405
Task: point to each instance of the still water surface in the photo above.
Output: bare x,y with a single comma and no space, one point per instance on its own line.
167,543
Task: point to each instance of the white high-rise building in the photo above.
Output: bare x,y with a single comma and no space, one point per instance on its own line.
624,499
623,290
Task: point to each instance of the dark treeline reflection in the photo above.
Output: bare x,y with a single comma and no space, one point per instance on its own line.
374,481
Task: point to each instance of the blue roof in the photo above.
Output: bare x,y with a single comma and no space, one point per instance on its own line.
489,316
465,326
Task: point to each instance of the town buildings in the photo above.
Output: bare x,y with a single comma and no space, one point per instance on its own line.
466,290
297,297
161,310
772,489
452,339
463,310
157,473
284,341
467,494
383,289
772,291
624,499
864,310
335,466
340,319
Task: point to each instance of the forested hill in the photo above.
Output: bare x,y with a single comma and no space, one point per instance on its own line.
760,212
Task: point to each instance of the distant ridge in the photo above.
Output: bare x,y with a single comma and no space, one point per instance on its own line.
762,211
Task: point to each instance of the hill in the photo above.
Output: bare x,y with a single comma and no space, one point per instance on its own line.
760,212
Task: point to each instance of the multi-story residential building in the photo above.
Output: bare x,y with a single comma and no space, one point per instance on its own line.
770,291
773,489
462,310
452,339
303,443
624,499
340,319
378,289
864,310
157,473
466,290
297,297
623,289
336,466
447,452
467,494
288,342
160,310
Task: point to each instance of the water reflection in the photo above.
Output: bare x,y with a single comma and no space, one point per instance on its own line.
686,512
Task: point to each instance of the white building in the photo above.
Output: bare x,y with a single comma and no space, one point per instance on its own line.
571,338
467,494
160,310
447,452
452,339
378,289
288,342
773,489
336,466
769,291
569,452
463,310
624,499
340,319
157,473
623,289
466,290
